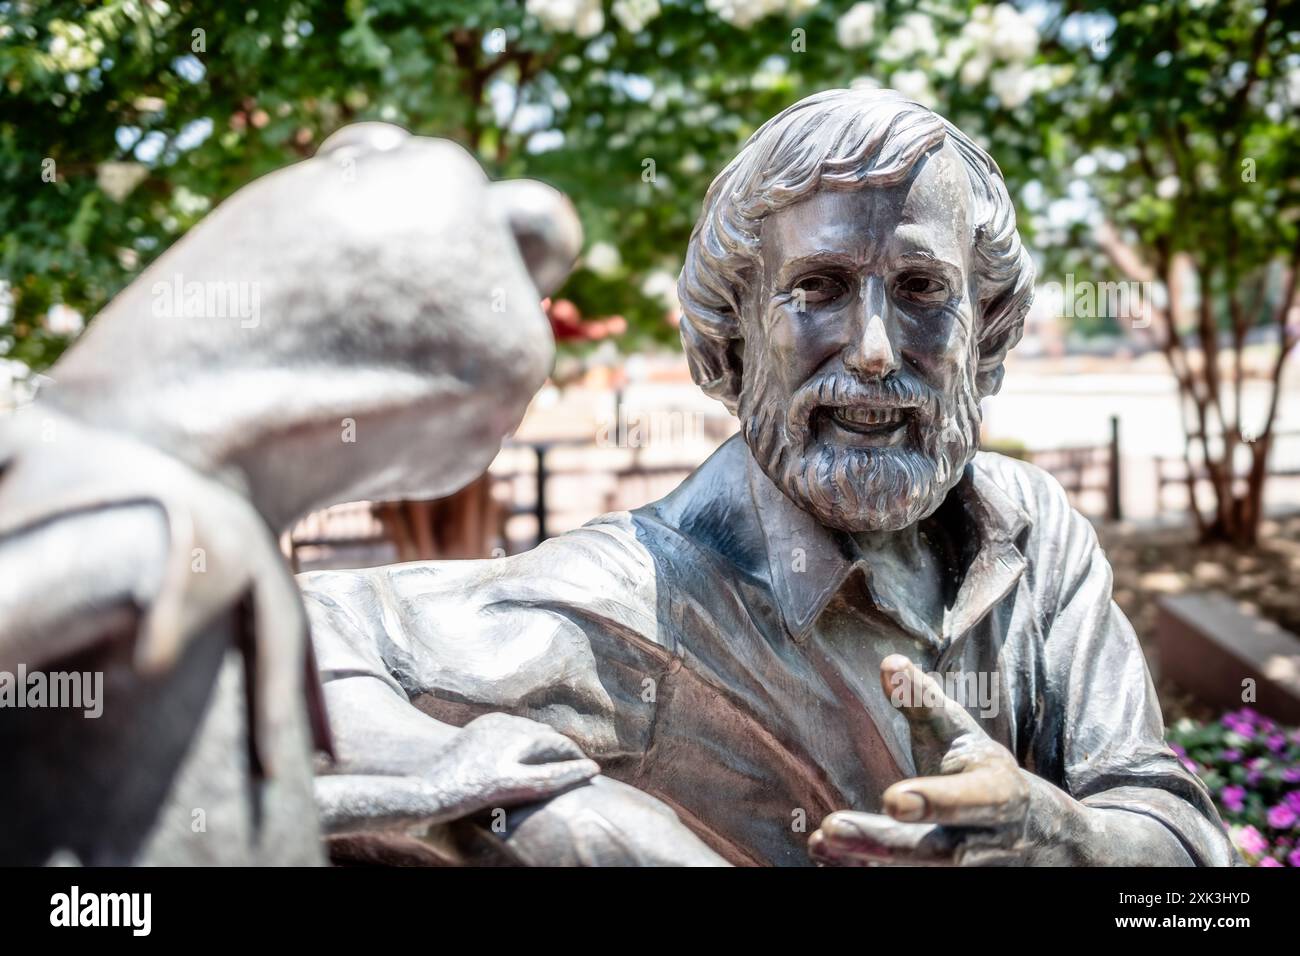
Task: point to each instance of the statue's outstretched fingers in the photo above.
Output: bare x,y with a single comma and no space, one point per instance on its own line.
985,797
850,838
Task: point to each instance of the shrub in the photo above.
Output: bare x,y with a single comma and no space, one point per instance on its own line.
1252,767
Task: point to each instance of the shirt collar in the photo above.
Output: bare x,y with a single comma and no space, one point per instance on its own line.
810,563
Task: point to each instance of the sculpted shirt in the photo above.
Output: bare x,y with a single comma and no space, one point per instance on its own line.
720,650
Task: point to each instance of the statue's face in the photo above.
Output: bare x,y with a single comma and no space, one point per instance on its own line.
858,393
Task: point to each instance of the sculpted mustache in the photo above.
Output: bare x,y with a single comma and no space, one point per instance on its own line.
838,390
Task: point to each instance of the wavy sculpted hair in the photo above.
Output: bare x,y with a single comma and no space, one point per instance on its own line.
840,139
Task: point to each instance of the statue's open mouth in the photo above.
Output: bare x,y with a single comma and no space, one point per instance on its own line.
860,425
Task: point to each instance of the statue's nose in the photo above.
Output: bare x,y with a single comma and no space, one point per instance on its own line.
873,351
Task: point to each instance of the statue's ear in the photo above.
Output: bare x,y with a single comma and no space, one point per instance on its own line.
1004,322
990,382
716,364
545,226
993,354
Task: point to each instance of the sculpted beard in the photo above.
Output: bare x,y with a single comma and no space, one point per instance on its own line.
857,488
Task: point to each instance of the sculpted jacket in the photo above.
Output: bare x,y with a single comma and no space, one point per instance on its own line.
720,650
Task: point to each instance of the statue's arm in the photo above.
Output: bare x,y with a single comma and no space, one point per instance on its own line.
562,635
468,640
1126,798
397,767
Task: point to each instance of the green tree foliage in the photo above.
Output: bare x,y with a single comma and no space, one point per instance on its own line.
629,107
1123,128
1185,142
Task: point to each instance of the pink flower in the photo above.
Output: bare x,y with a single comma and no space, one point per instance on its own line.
1276,743
1268,861
1233,798
1293,858
1251,841
1241,722
1292,800
1281,817
1230,756
1291,774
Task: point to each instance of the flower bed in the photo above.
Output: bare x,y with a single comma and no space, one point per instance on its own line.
1252,767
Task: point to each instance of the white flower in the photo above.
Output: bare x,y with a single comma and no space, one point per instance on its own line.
692,164
635,14
975,69
914,36
603,259
1014,38
915,85
557,15
741,13
923,35
119,179
1014,84
584,18
1085,166
1168,187
857,26
190,203
745,13
1011,85
1000,33
62,320
978,29
590,21
71,49
954,53
1293,86
661,285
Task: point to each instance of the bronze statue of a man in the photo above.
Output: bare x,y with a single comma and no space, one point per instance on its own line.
847,621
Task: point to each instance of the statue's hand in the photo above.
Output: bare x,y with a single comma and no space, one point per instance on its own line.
499,760
972,807
494,761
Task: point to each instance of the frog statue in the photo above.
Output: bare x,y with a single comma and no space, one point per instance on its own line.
361,325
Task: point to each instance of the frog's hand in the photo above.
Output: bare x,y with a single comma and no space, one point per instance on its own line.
92,570
167,574
77,577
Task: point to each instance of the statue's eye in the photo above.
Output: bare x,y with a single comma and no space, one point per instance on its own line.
818,289
921,288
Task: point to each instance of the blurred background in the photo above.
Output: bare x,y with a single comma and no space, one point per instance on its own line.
1153,150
